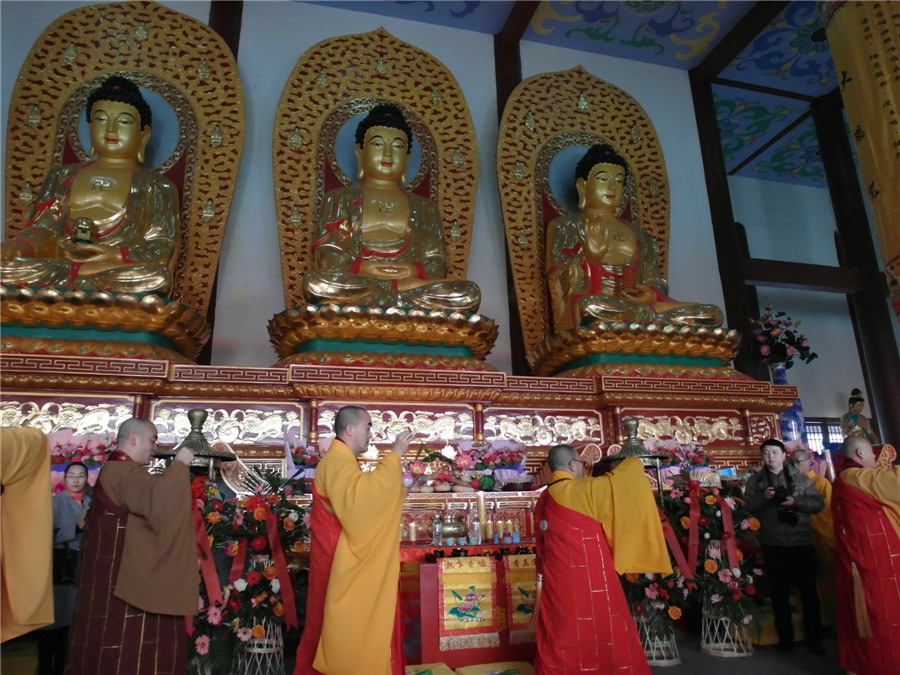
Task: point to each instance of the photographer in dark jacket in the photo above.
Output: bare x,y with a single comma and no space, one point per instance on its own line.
783,498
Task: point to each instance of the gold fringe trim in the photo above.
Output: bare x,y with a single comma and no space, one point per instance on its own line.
521,637
452,642
863,627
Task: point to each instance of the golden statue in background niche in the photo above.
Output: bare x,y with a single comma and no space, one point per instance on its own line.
376,243
603,268
106,224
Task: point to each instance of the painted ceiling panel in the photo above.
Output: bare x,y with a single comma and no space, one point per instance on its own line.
676,34
795,159
749,119
790,54
482,17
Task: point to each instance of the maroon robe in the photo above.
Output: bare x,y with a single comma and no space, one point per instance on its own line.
584,624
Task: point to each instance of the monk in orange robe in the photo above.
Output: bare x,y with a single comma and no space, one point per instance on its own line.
26,565
866,509
138,576
353,606
590,529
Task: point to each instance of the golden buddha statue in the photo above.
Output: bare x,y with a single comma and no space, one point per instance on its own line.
602,268
378,244
105,224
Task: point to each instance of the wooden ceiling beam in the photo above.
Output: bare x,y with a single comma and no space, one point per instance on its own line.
800,276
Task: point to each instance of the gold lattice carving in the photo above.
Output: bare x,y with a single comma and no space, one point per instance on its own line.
337,79
237,424
763,427
82,417
107,40
551,100
700,429
430,426
544,428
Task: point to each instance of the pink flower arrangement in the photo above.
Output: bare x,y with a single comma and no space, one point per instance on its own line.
777,339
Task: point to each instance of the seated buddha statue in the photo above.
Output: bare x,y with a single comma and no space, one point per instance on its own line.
106,224
376,243
602,268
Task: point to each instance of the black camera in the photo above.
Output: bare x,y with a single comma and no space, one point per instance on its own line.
781,494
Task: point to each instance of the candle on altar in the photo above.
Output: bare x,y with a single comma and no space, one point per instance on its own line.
499,527
489,527
531,532
412,531
482,519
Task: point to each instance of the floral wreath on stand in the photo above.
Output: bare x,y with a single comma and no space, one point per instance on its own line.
718,535
252,533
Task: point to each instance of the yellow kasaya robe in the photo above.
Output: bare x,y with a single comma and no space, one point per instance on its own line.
623,502
823,537
26,524
361,599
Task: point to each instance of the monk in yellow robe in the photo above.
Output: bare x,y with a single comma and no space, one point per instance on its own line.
822,525
26,593
352,610
590,529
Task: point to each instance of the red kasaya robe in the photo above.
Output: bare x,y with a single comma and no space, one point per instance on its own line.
864,504
584,624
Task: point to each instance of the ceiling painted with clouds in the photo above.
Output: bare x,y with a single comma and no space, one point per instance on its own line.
762,98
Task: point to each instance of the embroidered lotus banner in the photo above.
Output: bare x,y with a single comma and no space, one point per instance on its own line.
520,587
467,588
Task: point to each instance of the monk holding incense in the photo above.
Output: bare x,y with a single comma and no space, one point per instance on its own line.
353,609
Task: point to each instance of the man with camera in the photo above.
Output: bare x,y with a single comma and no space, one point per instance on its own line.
783,499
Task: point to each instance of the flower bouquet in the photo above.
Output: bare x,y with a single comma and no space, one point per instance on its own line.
777,338
656,598
429,471
679,459
250,535
719,534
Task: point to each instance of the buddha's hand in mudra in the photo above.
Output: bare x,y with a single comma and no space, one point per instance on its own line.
640,293
13,248
387,270
596,241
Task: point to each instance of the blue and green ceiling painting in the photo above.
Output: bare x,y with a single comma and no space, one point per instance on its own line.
784,67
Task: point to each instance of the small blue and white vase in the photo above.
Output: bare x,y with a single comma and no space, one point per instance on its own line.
793,425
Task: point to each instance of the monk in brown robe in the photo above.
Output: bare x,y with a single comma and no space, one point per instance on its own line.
139,569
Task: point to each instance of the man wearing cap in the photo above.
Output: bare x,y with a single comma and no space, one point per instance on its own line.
589,530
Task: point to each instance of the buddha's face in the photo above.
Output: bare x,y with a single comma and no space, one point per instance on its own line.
116,131
383,155
603,188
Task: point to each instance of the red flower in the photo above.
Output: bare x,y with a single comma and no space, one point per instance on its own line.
750,589
737,595
259,544
234,603
253,578
703,520
217,505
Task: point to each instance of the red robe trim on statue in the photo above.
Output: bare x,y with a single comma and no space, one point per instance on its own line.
866,540
324,531
109,635
584,624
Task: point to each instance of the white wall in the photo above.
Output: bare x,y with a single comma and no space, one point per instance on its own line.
796,224
665,95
